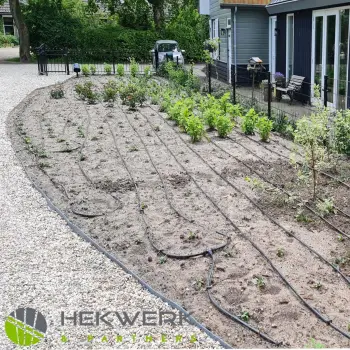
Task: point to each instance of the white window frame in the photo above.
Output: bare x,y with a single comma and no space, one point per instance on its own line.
214,34
272,45
3,22
291,15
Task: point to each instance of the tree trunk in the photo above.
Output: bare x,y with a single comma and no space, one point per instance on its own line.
24,44
158,13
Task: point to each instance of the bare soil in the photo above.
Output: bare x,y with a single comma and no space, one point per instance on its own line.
88,159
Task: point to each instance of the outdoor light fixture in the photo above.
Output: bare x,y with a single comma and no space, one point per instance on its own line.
277,32
76,69
223,31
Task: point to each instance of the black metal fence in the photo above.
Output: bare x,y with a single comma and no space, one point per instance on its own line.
274,96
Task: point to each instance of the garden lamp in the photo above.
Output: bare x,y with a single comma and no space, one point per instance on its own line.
76,68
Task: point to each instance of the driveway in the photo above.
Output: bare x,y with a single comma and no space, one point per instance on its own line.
8,52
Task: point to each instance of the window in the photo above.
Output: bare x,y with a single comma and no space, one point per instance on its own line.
8,26
290,46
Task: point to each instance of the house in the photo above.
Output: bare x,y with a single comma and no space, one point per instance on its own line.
311,39
243,29
7,25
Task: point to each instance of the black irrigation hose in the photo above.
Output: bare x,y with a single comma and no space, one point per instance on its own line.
142,214
305,205
298,296
283,156
115,260
289,233
228,314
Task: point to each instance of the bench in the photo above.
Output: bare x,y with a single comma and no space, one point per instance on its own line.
294,86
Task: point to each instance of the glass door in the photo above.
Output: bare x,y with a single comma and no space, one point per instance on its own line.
326,33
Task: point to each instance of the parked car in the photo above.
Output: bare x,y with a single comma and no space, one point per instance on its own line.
167,50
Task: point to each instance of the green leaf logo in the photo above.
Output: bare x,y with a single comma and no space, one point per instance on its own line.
25,327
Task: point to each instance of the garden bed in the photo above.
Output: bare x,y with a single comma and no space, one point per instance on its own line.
139,187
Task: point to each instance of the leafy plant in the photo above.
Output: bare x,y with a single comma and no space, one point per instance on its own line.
210,116
199,283
264,126
302,217
85,92
110,92
93,69
134,67
223,125
85,70
249,122
342,132
245,316
280,252
147,72
108,69
313,344
312,134
259,282
162,259
132,94
326,206
57,92
195,128
120,70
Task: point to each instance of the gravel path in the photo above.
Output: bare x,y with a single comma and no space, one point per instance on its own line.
47,267
8,52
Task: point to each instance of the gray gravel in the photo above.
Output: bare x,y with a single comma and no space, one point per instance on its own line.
47,267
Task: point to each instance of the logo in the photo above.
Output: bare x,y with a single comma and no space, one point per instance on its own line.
25,327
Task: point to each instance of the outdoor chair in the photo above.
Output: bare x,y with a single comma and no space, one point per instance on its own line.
294,86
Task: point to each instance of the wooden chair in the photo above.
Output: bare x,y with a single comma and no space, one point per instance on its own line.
294,85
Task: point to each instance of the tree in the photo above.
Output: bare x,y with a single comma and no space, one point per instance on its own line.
24,44
158,13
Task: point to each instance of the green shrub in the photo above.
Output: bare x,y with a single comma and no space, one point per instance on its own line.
195,128
8,40
264,126
224,125
249,122
133,93
93,69
147,72
342,132
210,117
85,92
184,118
57,92
110,91
120,70
108,69
134,67
85,70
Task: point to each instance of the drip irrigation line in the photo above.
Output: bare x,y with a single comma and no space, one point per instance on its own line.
118,262
157,171
283,156
275,222
143,218
142,212
228,314
298,296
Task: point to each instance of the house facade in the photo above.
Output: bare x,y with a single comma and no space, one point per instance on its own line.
311,39
7,25
243,29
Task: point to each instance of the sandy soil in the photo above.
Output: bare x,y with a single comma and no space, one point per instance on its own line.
88,159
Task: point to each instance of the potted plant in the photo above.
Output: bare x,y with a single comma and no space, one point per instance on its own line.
211,45
280,79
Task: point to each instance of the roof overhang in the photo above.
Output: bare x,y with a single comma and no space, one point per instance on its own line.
243,3
298,5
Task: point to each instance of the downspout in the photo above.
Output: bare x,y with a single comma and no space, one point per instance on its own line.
235,38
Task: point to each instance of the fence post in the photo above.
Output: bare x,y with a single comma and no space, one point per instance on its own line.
67,62
269,94
156,58
233,81
325,96
209,78
177,61
113,62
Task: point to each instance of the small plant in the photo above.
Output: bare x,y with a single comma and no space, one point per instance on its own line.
326,207
134,67
313,344
133,149
249,122
110,92
120,70
210,117
195,128
302,217
245,316
223,125
264,126
340,238
81,132
93,69
85,70
192,236
318,285
85,92
199,284
259,282
147,72
280,252
162,259
132,94
57,92
108,69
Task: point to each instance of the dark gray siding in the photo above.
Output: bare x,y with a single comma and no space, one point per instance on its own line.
252,34
222,15
281,44
219,71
